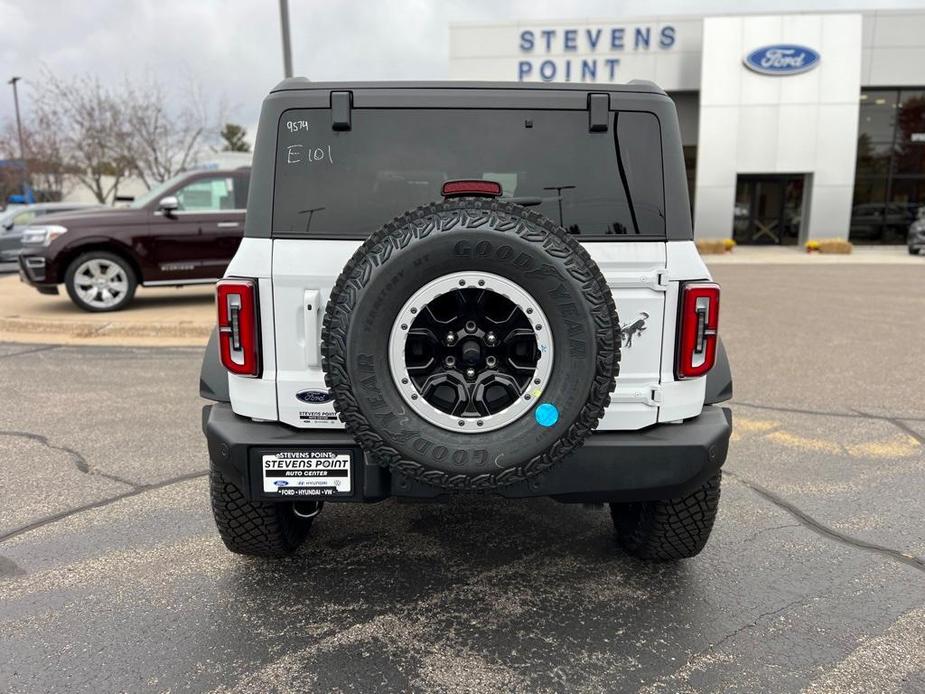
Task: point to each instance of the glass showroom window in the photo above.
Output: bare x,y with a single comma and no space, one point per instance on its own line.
889,184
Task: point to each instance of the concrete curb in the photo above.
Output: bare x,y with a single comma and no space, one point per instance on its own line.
28,331
784,255
81,329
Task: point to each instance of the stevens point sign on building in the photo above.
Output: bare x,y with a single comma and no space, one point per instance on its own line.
546,53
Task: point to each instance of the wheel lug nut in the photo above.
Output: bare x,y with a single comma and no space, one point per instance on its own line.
470,373
451,338
470,326
491,362
450,361
490,338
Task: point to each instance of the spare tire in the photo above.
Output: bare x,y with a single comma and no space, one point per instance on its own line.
470,344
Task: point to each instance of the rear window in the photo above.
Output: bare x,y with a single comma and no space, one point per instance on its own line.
347,184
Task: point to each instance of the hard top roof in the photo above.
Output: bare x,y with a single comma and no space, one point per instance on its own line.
633,86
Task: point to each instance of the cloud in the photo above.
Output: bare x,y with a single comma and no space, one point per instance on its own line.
231,48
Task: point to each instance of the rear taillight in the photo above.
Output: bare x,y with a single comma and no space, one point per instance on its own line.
238,337
697,329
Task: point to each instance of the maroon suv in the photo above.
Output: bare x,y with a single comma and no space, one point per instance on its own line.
184,231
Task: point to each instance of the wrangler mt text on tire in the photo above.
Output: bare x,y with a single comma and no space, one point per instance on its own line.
477,314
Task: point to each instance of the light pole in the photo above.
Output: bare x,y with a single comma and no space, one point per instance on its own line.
284,25
22,149
22,146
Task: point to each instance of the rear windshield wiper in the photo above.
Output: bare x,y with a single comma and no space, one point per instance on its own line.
526,201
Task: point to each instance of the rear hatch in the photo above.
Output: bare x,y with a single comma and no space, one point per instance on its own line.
333,187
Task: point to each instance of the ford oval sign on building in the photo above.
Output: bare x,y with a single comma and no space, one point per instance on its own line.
782,59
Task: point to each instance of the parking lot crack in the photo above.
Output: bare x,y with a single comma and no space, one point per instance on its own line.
79,461
899,424
826,531
714,647
773,528
34,350
139,489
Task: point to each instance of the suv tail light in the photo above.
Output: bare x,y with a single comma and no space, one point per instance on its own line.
697,329
238,337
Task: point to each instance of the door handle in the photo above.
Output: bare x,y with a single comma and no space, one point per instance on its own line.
227,225
311,301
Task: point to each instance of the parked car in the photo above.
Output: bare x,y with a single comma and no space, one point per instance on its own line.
184,231
412,315
14,221
881,222
916,238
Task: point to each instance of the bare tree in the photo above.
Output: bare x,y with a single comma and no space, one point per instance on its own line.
166,141
92,130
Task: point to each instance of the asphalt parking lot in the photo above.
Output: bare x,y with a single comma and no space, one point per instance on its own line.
112,576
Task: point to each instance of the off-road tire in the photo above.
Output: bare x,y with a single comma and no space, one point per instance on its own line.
254,528
424,244
130,276
669,529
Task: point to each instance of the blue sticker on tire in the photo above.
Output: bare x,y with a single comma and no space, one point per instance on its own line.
546,415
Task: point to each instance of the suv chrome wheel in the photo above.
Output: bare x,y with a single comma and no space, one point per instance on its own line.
471,352
101,283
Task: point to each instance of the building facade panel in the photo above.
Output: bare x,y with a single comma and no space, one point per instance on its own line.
835,150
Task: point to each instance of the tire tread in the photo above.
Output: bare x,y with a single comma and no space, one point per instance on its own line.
668,529
254,528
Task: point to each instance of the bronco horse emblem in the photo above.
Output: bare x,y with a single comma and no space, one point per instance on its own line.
636,328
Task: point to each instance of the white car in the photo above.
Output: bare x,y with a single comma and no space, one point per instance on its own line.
460,288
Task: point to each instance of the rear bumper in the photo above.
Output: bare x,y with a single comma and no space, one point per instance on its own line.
660,462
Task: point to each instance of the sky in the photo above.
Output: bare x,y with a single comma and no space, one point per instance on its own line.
231,48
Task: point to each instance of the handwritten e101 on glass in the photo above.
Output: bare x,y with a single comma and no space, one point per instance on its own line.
295,154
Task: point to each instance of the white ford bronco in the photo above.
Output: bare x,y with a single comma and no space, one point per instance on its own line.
467,288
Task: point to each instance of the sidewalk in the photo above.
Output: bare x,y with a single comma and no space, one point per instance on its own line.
157,317
797,255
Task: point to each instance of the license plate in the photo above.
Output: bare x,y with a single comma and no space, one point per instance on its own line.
307,472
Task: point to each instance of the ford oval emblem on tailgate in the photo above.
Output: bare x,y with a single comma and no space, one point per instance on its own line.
314,396
782,59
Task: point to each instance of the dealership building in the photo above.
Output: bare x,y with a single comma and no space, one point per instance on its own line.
795,126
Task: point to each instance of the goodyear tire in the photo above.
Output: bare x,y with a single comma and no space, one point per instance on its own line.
254,528
669,529
482,259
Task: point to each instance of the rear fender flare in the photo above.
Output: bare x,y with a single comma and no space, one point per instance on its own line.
719,378
213,378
